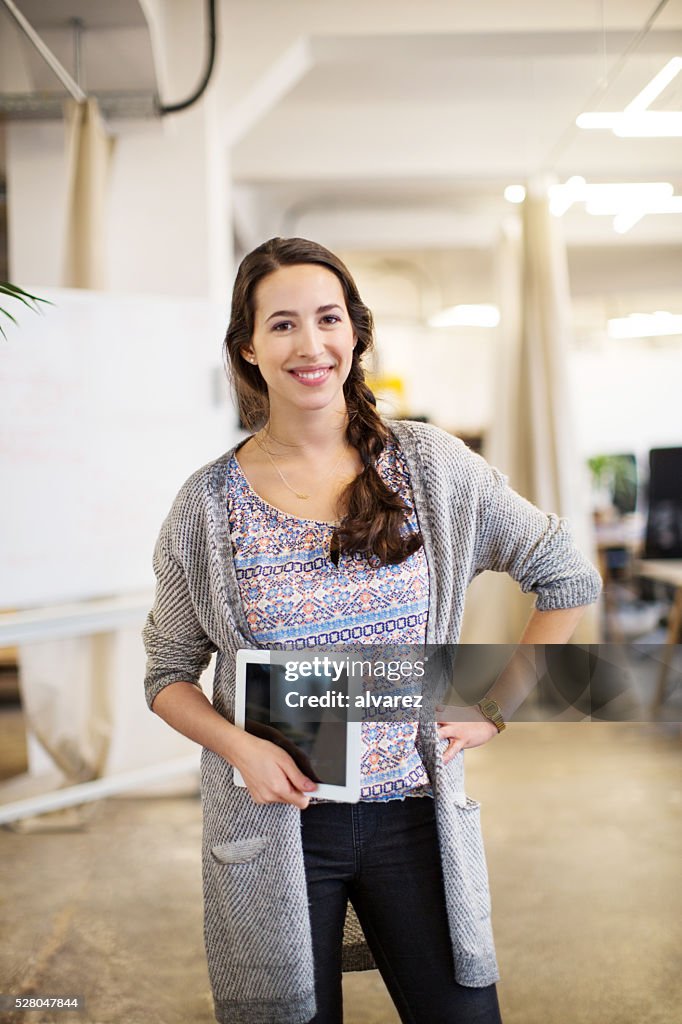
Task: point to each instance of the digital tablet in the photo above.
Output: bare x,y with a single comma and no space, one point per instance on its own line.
306,716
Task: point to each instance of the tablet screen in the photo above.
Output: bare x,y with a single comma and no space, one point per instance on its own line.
316,742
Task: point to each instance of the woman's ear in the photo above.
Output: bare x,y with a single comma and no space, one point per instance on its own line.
249,355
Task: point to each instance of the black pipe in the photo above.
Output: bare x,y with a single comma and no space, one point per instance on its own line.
173,108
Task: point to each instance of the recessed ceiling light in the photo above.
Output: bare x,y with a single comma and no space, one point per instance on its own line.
515,193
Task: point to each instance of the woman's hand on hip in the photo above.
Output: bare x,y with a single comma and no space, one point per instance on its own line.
472,733
270,774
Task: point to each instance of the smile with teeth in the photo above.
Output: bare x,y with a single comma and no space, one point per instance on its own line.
317,374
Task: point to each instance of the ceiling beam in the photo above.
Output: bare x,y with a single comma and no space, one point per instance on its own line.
271,87
444,45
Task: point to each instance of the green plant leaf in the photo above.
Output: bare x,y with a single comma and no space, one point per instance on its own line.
15,292
9,316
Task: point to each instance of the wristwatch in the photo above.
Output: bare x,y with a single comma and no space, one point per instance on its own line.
490,709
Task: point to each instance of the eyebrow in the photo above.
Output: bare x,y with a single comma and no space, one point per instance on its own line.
292,312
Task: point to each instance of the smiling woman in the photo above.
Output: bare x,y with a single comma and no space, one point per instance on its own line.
311,345
330,527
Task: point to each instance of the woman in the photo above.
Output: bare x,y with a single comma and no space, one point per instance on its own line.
328,517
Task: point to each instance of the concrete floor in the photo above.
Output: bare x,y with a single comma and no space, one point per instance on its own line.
582,830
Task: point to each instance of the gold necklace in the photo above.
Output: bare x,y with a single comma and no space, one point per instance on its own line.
299,494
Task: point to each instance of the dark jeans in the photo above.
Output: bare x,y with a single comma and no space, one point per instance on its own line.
384,857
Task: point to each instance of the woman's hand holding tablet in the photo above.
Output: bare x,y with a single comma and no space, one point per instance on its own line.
289,754
270,773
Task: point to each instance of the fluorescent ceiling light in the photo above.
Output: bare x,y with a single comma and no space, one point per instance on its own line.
595,120
627,218
637,121
609,197
645,325
466,316
651,124
612,199
647,124
626,201
658,83
562,197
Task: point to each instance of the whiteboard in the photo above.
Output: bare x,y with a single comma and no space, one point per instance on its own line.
107,404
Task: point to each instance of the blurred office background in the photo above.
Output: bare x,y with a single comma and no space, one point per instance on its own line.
505,182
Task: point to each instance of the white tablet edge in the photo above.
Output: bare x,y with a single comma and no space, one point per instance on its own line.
350,793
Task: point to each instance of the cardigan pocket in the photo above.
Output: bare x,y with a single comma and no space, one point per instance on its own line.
251,914
474,868
238,851
467,892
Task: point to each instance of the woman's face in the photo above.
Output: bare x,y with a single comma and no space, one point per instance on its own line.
303,338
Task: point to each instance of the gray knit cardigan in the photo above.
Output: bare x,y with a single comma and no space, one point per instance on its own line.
256,922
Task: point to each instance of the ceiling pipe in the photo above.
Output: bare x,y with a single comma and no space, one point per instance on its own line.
174,108
116,104
78,27
45,52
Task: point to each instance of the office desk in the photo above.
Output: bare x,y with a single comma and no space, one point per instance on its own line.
624,532
665,570
620,532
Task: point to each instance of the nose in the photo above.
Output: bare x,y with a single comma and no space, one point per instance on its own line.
310,342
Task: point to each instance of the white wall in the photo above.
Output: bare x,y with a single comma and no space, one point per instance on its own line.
109,404
448,374
628,396
625,394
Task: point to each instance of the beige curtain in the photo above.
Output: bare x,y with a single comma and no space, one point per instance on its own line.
66,696
65,683
89,150
532,436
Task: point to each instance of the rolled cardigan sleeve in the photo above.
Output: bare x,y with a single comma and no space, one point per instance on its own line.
177,647
536,548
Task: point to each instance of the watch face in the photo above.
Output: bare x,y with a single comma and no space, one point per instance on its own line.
491,710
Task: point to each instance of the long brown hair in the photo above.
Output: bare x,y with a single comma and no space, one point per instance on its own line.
376,515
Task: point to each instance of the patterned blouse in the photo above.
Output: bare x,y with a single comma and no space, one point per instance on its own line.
294,595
